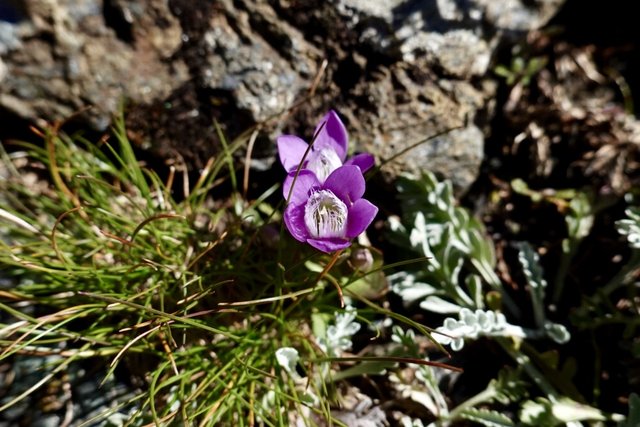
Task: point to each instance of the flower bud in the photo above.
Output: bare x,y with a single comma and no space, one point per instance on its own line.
362,259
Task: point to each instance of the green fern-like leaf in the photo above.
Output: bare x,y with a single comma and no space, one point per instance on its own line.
509,386
487,417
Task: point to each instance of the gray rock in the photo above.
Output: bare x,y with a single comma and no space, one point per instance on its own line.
518,15
87,398
49,420
406,107
398,71
405,18
422,126
415,30
456,155
9,37
86,64
456,40
459,53
263,77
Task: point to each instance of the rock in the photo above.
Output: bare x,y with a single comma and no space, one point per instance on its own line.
77,395
518,15
262,62
246,65
440,52
459,53
451,32
48,420
398,71
62,57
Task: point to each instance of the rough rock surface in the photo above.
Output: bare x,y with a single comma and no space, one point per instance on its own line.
397,71
61,57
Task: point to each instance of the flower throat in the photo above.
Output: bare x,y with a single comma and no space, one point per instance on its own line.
325,215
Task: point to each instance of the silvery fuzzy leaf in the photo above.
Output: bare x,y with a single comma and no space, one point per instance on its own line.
481,246
435,233
424,391
405,285
486,320
450,236
561,412
454,333
487,417
287,358
457,344
451,324
446,201
630,227
580,218
501,321
396,225
338,337
508,385
453,263
406,338
400,335
530,262
472,324
469,318
418,291
474,285
557,332
407,421
427,376
419,234
461,240
345,321
436,304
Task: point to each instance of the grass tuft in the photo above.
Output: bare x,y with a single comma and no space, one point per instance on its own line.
184,298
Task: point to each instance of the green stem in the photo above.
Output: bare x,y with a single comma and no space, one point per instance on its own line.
533,372
484,396
563,268
624,276
537,303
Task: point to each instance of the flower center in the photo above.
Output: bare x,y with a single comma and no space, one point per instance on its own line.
325,215
323,162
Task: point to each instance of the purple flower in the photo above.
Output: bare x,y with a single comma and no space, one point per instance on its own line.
327,153
327,215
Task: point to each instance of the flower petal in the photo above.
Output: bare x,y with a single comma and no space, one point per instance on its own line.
305,181
364,161
294,220
329,245
333,135
291,150
361,215
347,183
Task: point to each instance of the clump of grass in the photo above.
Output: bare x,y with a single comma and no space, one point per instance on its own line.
191,298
